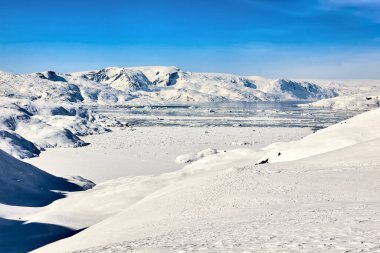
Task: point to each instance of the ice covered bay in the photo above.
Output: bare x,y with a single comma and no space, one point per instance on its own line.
159,134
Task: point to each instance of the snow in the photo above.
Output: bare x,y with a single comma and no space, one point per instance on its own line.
351,102
141,151
27,127
189,158
118,78
212,87
159,75
361,128
25,132
17,146
33,87
157,84
24,189
322,200
349,86
162,84
293,90
27,185
157,192
353,94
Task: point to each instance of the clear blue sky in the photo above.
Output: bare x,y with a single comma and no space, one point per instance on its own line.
275,38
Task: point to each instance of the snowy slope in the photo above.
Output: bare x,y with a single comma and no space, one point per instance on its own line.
22,184
17,146
160,75
362,128
21,125
272,209
348,87
351,102
24,189
353,94
293,90
328,201
114,85
118,78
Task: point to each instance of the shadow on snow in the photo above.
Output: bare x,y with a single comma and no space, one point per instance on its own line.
17,237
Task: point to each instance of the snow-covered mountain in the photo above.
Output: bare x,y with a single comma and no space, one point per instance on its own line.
289,90
115,85
118,78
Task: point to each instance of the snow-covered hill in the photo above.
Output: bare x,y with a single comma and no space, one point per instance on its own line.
115,85
38,87
351,102
326,201
291,90
118,78
362,128
27,127
353,94
349,86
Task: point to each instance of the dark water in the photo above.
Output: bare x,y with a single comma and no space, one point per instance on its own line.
257,114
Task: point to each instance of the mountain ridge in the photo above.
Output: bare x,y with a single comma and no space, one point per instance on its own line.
115,85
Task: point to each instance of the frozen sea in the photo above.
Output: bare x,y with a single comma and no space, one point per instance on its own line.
159,134
258,114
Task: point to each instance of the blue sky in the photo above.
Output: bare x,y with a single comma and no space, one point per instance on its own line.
274,38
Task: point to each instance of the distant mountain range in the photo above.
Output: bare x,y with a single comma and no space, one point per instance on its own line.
141,85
